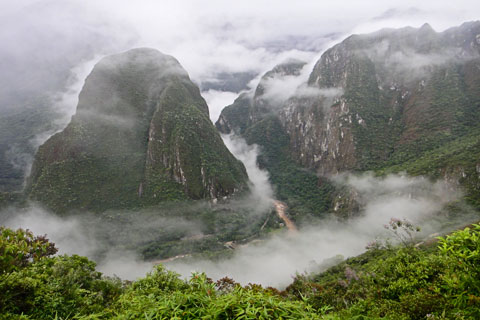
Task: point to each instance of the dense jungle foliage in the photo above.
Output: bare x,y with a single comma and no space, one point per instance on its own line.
439,280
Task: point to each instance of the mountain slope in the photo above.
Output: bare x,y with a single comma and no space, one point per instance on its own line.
141,135
405,91
379,100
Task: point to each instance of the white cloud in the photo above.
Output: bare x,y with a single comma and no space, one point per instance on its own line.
207,37
270,262
217,100
273,262
261,195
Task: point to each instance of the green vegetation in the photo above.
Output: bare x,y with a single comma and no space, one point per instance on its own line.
34,285
193,228
141,136
161,295
153,146
457,159
374,133
440,280
191,146
237,115
90,183
398,126
445,109
404,118
171,228
68,287
424,124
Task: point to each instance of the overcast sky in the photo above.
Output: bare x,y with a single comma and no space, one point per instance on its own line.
207,37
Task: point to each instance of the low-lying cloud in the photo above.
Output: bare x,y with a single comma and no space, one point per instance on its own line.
217,100
112,239
68,233
279,88
273,262
66,101
261,195
410,64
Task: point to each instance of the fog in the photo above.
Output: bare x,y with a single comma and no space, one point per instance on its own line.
261,195
273,262
217,100
280,88
113,240
412,65
44,42
68,233
66,100
48,47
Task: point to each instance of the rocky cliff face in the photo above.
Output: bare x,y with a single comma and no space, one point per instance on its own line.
403,91
378,100
141,135
378,95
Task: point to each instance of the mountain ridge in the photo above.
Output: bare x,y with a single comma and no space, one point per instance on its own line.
382,99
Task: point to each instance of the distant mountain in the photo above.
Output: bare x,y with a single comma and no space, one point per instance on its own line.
250,107
141,135
394,100
19,130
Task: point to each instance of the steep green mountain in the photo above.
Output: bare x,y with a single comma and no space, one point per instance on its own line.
381,100
405,91
255,117
141,135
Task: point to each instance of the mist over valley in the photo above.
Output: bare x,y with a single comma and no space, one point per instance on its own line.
187,160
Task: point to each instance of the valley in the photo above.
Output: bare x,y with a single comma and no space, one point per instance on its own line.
314,195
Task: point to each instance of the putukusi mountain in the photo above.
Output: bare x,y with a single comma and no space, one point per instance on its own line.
141,135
